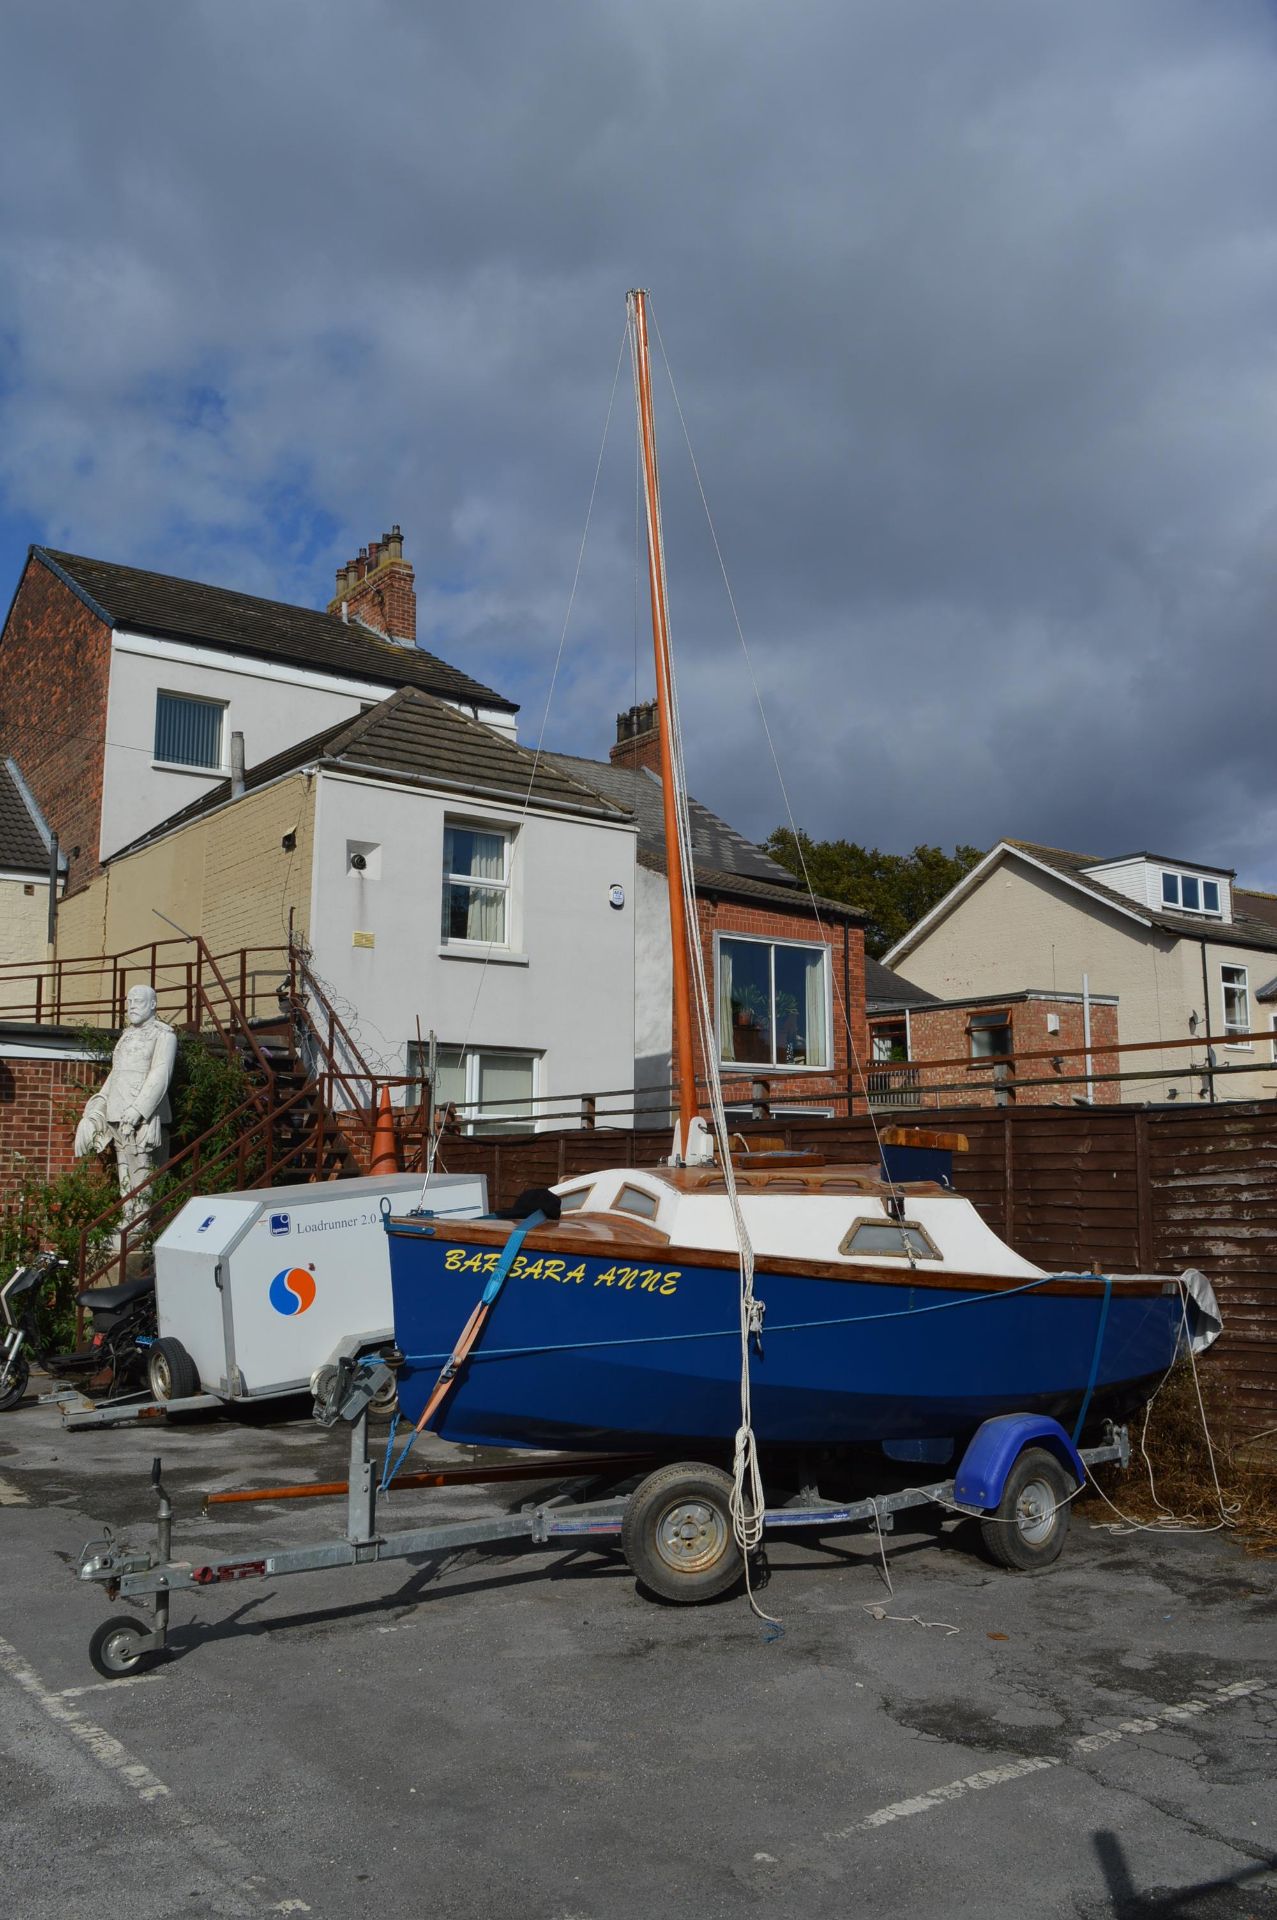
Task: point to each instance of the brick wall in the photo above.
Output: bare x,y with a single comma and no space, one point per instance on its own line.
943,1033
763,923
40,1103
55,665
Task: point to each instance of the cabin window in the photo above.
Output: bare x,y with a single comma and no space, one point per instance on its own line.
772,1003
188,732
476,884
635,1200
890,1240
493,1090
990,1035
574,1201
1236,999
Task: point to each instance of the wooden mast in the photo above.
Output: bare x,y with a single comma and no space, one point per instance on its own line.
684,1048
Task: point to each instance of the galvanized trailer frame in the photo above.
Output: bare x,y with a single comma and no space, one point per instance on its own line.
120,1644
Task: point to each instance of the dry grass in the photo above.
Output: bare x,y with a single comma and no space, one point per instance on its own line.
1179,1464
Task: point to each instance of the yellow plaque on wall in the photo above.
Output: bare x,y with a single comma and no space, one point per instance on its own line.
363,939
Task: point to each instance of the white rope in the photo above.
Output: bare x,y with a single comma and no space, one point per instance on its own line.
1168,1522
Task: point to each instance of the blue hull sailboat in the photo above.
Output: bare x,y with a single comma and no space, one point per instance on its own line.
753,1300
611,1331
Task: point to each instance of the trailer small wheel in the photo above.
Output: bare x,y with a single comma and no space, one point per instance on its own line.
1028,1530
116,1648
19,1374
171,1371
677,1533
386,1399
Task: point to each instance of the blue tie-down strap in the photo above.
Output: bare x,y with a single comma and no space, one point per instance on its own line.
1095,1359
498,1276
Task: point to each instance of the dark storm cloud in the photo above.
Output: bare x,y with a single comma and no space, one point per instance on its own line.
970,311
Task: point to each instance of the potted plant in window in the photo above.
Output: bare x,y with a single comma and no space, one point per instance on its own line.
749,1013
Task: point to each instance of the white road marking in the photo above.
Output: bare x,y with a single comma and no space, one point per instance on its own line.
1042,1763
11,1495
104,1747
110,1686
248,1889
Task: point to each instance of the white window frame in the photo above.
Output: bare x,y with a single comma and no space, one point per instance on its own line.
503,885
1179,875
1227,967
481,1122
191,766
753,1069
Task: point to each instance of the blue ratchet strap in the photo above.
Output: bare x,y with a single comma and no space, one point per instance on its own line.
1095,1358
474,1325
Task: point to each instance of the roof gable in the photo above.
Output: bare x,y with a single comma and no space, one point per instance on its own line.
414,738
187,610
1074,869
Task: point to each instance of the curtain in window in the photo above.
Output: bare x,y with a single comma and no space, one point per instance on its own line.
474,911
726,1033
814,1012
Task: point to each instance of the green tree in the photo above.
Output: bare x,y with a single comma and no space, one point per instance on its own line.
894,890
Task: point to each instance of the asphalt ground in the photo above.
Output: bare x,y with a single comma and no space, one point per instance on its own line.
523,1734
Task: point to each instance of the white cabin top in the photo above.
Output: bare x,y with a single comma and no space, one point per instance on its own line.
836,1214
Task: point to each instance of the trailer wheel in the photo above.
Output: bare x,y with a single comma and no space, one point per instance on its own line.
19,1374
1031,1524
171,1371
116,1648
677,1533
386,1400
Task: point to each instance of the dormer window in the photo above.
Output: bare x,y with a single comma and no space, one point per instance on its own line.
1189,892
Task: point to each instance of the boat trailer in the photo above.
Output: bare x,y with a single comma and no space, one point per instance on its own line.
1017,1477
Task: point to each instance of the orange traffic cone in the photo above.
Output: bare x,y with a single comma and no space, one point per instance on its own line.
385,1153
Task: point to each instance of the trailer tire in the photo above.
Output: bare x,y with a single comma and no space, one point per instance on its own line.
170,1371
1029,1528
19,1375
116,1648
677,1533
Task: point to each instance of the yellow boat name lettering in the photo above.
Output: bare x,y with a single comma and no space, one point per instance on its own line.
662,1280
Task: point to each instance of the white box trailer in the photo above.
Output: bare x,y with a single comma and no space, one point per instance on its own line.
256,1291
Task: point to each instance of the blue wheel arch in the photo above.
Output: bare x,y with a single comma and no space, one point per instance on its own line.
995,1448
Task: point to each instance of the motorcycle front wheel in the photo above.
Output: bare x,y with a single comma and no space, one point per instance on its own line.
15,1383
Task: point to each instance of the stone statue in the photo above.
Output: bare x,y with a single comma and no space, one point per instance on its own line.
131,1111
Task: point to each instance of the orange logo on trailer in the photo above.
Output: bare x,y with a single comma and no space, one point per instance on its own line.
292,1291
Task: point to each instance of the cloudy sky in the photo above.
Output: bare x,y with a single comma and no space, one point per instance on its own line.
972,311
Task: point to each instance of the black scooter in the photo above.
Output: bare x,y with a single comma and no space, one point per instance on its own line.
115,1358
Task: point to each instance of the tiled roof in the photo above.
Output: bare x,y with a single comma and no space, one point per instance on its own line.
743,886
716,847
22,846
885,990
1259,906
187,610
415,738
1245,929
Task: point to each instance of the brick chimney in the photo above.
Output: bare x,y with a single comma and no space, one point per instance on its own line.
376,589
638,739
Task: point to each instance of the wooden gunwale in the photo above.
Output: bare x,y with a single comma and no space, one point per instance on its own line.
640,1241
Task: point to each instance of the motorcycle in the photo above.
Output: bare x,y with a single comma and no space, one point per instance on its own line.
114,1360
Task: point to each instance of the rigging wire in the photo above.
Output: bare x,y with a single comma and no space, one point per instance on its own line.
747,1502
839,997
518,837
